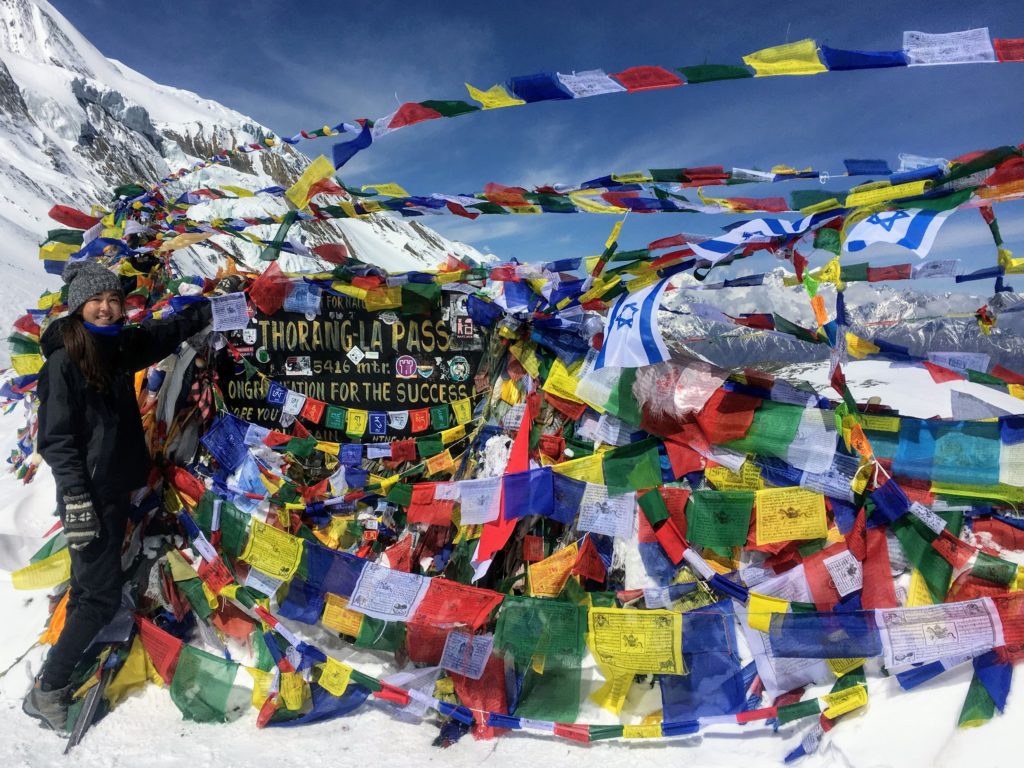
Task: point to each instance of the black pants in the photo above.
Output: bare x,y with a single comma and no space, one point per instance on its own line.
96,581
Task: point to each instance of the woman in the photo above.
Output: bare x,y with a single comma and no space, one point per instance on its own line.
90,433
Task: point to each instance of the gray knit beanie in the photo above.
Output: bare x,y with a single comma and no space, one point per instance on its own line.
86,279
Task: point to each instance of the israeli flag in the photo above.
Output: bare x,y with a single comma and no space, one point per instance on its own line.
753,231
913,229
632,338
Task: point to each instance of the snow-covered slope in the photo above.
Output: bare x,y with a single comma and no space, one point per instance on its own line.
74,124
922,322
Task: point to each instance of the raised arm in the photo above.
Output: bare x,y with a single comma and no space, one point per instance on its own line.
153,340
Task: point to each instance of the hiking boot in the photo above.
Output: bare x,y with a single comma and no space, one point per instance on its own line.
50,708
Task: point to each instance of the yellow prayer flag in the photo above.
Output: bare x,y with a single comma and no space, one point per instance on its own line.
25,365
338,617
637,641
463,410
57,251
318,170
239,191
844,666
820,207
642,282
918,593
633,177
600,287
648,731
612,695
132,675
830,273
761,608
859,199
614,234
724,479
272,551
383,298
327,447
45,574
548,577
48,300
789,514
858,347
387,190
589,202
356,421
589,469
846,700
880,423
292,690
334,676
184,240
260,685
526,353
494,97
800,58
453,434
561,383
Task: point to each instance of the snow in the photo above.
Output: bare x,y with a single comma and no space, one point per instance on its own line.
904,729
909,390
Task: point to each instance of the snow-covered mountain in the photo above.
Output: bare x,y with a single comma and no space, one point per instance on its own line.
74,124
922,322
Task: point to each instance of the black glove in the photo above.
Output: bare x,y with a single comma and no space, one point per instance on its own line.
81,525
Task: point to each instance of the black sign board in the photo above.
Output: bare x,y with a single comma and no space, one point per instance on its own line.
350,357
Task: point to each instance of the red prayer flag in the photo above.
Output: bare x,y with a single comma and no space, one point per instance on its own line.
940,374
672,538
496,533
487,694
727,416
878,590
647,78
589,563
71,217
411,113
313,410
162,647
419,420
1009,49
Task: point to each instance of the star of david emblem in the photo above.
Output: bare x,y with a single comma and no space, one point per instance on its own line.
888,222
625,317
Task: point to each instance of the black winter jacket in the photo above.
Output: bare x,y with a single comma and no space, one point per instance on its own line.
94,441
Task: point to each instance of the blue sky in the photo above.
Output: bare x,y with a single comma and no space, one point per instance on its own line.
301,65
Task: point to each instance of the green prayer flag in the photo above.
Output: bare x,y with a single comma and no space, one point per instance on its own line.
203,688
798,711
979,707
430,445
707,73
400,494
851,273
440,417
633,467
915,538
335,417
420,298
772,430
652,504
719,519
380,635
234,523
450,108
